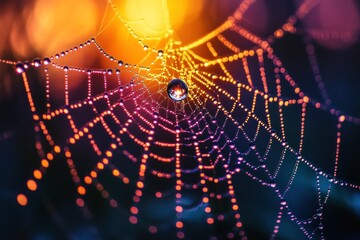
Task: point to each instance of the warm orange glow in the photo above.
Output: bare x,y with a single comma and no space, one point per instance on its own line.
22,199
58,20
151,18
140,184
154,20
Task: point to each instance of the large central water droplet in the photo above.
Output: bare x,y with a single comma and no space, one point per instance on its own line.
177,90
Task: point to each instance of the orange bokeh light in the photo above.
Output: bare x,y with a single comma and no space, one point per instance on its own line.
22,199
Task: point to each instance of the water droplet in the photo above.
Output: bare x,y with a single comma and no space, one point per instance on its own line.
160,53
20,68
88,72
272,132
109,71
37,62
26,65
46,61
57,56
283,202
319,212
121,102
66,68
252,145
117,71
177,90
120,63
146,47
272,183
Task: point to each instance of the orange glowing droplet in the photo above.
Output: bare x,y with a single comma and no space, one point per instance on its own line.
31,184
108,154
93,174
50,156
22,199
140,185
81,190
37,174
88,180
45,163
100,165
116,172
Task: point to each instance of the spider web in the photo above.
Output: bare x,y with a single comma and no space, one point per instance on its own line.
178,169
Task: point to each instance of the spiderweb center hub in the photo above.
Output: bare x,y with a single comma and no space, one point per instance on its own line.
177,90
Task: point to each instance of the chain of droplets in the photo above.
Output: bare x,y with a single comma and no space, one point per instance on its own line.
40,126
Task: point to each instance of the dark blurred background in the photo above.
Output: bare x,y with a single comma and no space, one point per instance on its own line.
42,28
